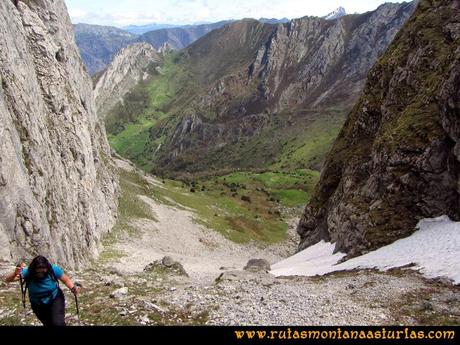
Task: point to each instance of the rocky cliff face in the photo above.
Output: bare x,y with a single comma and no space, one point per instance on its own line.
57,184
313,62
396,159
302,72
131,65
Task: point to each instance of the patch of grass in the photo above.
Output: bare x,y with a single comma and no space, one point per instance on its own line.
308,148
220,212
292,197
131,141
291,189
130,206
243,206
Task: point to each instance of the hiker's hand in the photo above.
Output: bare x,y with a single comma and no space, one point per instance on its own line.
18,270
75,290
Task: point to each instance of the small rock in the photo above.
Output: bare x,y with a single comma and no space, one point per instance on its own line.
144,320
168,261
119,293
115,271
117,282
154,306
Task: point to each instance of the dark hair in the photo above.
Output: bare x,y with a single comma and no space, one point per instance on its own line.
36,262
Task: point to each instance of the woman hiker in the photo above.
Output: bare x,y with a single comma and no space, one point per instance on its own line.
45,295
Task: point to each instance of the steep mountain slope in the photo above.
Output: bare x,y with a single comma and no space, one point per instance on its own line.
58,190
253,95
180,37
131,65
99,44
396,159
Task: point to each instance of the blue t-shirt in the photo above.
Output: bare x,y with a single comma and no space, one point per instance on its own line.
43,291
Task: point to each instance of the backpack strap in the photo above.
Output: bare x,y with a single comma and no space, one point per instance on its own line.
53,275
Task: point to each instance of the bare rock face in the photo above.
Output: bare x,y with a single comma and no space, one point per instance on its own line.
330,59
130,66
396,159
58,187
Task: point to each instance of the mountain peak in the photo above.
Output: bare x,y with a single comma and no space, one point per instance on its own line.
337,13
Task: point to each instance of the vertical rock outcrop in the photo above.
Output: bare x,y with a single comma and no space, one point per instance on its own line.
58,187
397,158
132,64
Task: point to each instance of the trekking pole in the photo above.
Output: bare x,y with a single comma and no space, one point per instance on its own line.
23,288
76,304
21,281
22,292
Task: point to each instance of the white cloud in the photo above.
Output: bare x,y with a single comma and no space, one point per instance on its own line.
76,13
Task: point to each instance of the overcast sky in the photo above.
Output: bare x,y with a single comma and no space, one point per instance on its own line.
124,12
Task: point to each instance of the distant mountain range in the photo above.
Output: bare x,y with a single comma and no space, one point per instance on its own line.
180,37
274,20
99,44
142,29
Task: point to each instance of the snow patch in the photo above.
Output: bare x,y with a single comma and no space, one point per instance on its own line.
434,249
337,13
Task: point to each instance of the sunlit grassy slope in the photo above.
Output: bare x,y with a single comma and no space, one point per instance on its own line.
243,206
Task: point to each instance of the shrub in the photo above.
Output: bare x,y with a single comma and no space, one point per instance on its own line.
246,198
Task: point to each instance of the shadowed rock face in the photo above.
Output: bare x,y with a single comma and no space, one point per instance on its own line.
58,188
396,159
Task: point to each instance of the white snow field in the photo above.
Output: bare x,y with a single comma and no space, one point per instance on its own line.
434,249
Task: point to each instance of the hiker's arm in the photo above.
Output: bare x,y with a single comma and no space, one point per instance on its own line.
69,283
13,276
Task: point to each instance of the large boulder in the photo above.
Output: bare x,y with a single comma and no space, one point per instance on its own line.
167,265
257,265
